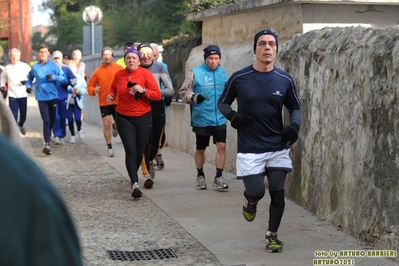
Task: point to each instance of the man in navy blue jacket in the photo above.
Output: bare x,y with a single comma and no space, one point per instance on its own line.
59,129
261,91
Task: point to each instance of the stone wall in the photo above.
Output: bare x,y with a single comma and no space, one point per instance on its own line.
175,56
346,161
347,156
236,27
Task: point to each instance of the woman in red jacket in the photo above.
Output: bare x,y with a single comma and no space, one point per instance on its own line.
135,87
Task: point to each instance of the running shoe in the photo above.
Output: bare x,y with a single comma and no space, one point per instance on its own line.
22,130
249,210
72,140
273,245
136,191
114,132
201,182
81,135
148,181
57,141
160,163
47,149
110,152
220,183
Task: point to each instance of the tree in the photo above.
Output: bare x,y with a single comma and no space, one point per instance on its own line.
162,20
123,20
37,40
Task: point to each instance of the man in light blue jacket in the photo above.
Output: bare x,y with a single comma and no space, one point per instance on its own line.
202,89
46,73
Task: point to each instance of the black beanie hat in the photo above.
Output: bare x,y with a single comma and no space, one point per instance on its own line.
128,45
210,50
264,32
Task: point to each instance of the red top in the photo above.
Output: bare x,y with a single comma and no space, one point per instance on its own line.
128,105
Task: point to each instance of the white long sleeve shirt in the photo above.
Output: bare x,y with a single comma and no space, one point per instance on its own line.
13,75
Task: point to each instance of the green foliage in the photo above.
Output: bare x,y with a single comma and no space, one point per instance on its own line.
161,20
180,40
119,27
37,40
125,20
199,5
69,29
3,47
176,40
4,44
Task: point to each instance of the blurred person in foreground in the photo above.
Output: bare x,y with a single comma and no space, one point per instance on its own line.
262,90
36,228
135,87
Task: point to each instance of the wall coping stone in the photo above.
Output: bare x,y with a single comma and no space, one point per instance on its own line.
251,5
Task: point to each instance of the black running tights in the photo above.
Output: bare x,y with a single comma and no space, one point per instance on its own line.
255,190
134,132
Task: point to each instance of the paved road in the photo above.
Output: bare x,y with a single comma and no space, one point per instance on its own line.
187,227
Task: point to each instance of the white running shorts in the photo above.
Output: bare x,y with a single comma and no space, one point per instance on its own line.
251,164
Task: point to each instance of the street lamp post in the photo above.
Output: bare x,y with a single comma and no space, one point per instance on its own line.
92,15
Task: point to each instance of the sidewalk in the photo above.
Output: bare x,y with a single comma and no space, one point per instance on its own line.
201,227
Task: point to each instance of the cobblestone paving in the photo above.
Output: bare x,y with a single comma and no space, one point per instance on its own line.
106,216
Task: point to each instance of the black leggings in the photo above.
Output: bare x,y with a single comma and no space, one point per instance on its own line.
134,132
163,138
158,125
255,190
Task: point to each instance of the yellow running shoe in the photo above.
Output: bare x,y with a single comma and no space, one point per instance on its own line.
249,210
273,245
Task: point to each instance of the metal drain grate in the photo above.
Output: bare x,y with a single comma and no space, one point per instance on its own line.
154,254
